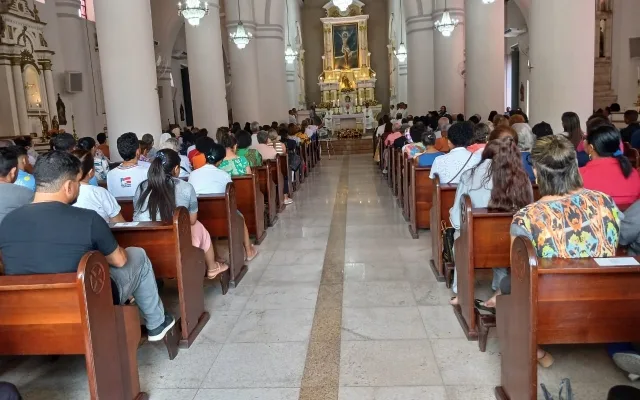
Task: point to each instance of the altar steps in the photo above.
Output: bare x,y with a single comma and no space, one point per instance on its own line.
351,146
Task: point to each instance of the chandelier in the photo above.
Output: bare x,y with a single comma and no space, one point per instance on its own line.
446,25
240,37
488,1
401,53
193,11
343,5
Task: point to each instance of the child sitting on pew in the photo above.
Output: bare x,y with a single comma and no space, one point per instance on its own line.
157,197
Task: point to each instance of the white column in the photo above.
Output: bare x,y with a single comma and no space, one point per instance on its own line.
420,64
128,67
51,93
21,100
244,65
401,93
562,60
449,60
484,38
206,71
292,86
165,97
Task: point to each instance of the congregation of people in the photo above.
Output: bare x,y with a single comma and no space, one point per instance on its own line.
588,190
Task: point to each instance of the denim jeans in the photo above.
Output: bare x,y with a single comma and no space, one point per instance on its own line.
136,279
9,392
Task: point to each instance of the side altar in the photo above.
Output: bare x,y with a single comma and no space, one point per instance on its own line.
347,83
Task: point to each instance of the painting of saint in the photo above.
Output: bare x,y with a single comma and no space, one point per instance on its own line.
345,46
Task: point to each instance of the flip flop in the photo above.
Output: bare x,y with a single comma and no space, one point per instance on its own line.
479,304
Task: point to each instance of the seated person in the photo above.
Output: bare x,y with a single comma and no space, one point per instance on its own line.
197,155
101,164
450,167
506,131
185,165
442,141
609,171
157,198
525,141
266,151
395,133
65,234
211,180
27,143
145,148
243,150
480,136
24,178
63,142
149,141
416,133
124,180
232,163
401,141
298,132
11,196
587,216
499,182
95,198
541,130
103,146
429,155
633,126
274,140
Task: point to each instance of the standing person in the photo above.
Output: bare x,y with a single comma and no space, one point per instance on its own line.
124,180
212,180
450,167
65,234
499,182
11,196
157,198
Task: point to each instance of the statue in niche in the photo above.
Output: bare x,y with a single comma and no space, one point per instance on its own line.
181,112
55,125
602,25
62,113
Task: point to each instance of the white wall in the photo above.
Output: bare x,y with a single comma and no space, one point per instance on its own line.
626,14
515,19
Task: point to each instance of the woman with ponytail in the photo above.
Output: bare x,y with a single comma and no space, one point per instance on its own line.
609,171
158,196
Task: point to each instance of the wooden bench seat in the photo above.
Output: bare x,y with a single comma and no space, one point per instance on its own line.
420,197
268,189
406,180
397,183
250,201
172,256
278,180
443,198
74,314
560,301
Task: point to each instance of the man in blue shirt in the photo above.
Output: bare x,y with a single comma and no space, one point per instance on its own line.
24,178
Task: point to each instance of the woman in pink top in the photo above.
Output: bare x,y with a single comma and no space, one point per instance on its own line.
396,134
480,135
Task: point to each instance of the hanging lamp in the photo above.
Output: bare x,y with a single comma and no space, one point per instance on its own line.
343,5
290,54
193,11
446,25
488,1
240,37
401,53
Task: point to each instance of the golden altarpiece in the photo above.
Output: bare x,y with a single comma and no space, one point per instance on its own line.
26,78
347,83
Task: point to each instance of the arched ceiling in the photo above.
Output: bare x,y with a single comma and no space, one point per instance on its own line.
524,5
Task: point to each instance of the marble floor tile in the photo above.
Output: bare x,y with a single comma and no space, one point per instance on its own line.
382,323
276,274
266,326
475,392
431,293
172,394
461,363
388,363
248,394
296,295
219,327
393,393
234,300
298,257
440,322
374,271
378,294
258,365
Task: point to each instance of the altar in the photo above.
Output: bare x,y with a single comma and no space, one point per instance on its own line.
348,121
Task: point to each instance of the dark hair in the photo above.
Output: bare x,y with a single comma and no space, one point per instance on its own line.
144,146
203,144
460,118
554,158
86,161
605,140
216,153
247,126
53,169
474,120
503,130
147,138
492,114
23,141
417,132
385,118
86,143
596,121
128,144
63,142
244,139
19,150
460,134
102,137
480,133
388,127
8,160
615,107
631,115
571,125
511,185
228,141
159,188
429,138
284,133
542,129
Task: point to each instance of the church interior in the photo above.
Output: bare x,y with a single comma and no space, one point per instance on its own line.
360,252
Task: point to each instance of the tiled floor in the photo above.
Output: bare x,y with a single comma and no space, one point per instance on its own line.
399,339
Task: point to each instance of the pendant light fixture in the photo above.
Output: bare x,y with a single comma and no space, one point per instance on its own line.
343,5
240,37
290,54
401,53
446,25
488,1
193,11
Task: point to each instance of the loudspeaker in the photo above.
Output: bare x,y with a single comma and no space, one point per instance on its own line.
634,47
73,81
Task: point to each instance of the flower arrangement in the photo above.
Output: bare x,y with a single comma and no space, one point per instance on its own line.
371,103
349,134
347,90
325,104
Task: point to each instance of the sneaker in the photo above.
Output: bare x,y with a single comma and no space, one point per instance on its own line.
288,201
157,334
628,362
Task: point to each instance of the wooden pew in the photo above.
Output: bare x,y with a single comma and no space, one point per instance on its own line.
560,301
443,197
286,171
484,242
74,314
278,180
172,256
420,199
390,165
250,202
268,189
406,179
399,159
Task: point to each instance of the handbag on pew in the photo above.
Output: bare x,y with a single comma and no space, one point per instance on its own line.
565,392
294,162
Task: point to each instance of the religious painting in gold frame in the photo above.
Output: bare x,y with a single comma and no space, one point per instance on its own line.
345,46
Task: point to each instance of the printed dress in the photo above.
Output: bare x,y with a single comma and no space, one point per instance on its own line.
235,167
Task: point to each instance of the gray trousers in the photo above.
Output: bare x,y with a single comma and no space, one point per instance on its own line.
136,279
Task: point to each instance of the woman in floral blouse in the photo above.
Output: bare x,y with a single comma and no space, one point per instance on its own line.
252,155
232,163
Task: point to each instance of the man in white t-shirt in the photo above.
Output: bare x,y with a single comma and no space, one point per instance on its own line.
449,167
208,179
124,180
